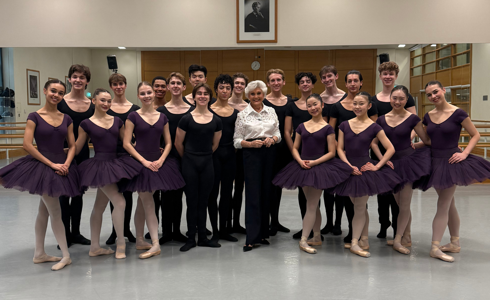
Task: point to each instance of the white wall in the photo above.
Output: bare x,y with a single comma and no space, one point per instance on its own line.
129,64
50,62
402,58
212,23
480,82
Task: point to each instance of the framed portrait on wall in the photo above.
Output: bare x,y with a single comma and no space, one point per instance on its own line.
68,85
256,21
33,87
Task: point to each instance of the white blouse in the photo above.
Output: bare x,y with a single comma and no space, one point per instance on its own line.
254,125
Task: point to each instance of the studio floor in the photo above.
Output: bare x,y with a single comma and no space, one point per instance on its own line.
278,271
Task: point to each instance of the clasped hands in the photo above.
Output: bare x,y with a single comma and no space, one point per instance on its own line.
258,143
60,169
369,167
153,165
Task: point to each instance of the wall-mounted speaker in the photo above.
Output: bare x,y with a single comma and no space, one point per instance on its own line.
384,57
112,62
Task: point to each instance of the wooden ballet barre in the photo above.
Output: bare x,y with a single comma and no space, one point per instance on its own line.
11,136
10,123
465,134
12,128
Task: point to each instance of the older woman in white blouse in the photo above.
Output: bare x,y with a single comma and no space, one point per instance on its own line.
257,131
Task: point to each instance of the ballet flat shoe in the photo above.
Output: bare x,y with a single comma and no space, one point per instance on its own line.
434,254
361,253
303,245
361,243
143,247
347,245
60,265
451,248
314,243
316,240
45,258
100,251
121,252
149,254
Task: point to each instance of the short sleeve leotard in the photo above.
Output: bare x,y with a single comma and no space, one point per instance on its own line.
30,174
339,112
199,137
228,126
385,107
123,117
327,108
298,115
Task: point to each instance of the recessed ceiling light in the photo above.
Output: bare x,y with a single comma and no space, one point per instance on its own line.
401,46
122,48
433,45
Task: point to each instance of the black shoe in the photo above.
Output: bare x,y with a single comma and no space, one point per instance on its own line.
227,237
69,245
298,235
128,234
281,228
148,236
208,243
165,238
348,238
327,229
208,232
382,230
239,229
336,230
179,237
112,239
264,242
80,239
273,230
188,245
247,248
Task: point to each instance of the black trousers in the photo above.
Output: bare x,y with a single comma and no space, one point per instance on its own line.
236,201
258,165
349,212
198,173
384,203
224,162
330,200
282,158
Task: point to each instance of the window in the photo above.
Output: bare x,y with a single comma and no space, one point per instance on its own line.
462,59
461,47
445,64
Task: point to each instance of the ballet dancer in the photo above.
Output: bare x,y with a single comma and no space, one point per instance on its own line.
224,160
368,177
105,170
240,81
296,114
198,136
78,107
159,85
160,172
331,95
197,74
343,111
313,170
257,131
450,166
279,102
121,107
174,110
388,73
410,164
47,171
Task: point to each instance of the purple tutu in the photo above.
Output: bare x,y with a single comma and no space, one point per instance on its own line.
167,178
444,175
322,176
411,165
107,168
29,174
369,183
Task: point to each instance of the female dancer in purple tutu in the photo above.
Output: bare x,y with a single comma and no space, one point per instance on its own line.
48,170
314,170
198,136
159,173
105,170
450,167
410,164
368,177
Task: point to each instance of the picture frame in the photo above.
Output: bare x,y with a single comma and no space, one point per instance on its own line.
256,21
33,87
52,78
68,85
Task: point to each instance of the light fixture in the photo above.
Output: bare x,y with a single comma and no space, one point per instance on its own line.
122,48
433,45
401,46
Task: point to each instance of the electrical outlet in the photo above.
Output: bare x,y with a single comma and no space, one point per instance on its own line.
485,97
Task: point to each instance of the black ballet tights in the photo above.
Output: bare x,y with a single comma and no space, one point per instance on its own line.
237,200
329,201
349,212
128,196
71,214
384,203
171,203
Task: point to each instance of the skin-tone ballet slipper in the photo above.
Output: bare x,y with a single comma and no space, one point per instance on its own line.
149,254
453,246
100,251
435,252
347,245
121,251
406,241
303,245
397,245
45,258
142,244
316,240
364,243
65,261
356,249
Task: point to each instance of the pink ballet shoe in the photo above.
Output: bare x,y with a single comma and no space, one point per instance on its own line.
453,246
45,258
364,243
303,245
65,261
354,249
316,240
397,245
435,252
149,254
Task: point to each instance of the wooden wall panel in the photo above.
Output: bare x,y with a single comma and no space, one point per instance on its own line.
355,59
280,59
461,76
415,84
313,60
444,77
427,78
